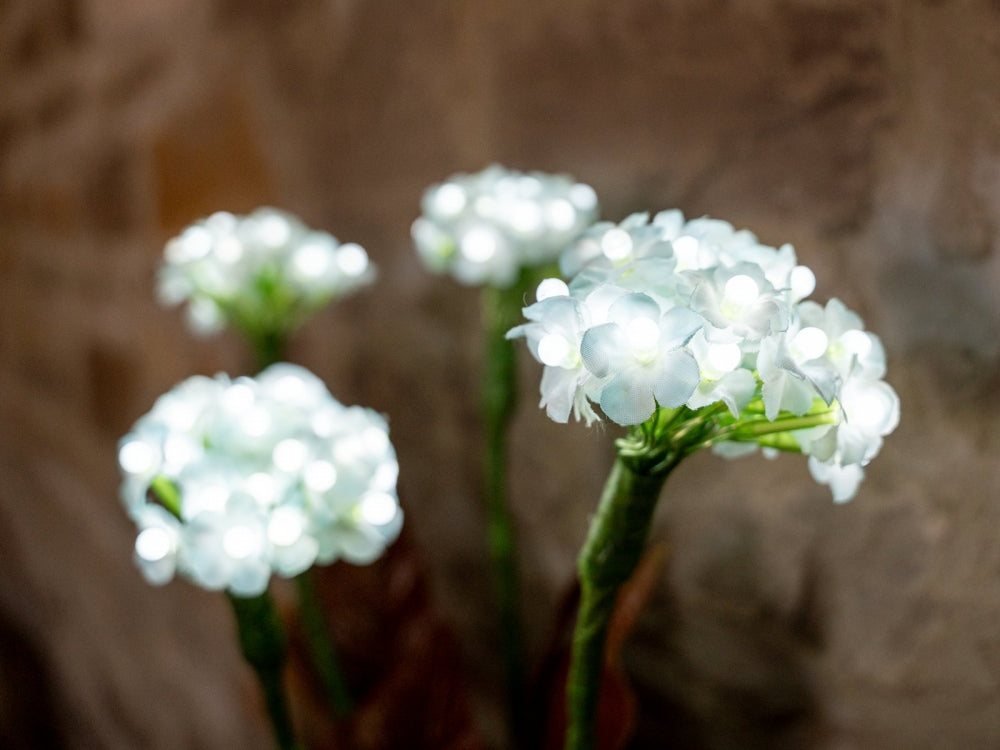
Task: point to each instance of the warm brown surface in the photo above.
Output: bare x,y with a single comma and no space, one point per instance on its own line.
866,132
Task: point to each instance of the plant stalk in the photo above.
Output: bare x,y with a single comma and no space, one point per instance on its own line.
501,311
613,548
262,640
324,655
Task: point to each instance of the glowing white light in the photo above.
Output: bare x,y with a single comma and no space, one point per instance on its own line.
857,342
616,244
211,496
375,440
810,343
137,457
178,414
320,475
240,542
228,249
274,230
686,252
324,422
154,544
237,398
352,259
449,200
195,242
290,455
378,508
551,287
802,281
386,475
554,350
741,290
256,422
263,487
347,450
221,222
724,357
179,450
287,388
486,206
479,244
583,196
871,407
312,260
285,526
560,215
525,217
529,187
643,334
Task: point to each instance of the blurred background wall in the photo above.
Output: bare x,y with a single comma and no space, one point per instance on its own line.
865,132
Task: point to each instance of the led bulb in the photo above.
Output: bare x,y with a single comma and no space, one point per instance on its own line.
643,334
554,350
154,544
616,244
741,290
551,288
810,343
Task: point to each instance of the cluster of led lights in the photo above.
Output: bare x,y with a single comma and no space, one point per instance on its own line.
486,227
259,272
695,314
230,481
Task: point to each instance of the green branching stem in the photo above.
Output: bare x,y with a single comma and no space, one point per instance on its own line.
618,532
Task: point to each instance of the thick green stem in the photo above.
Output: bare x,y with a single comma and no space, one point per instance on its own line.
611,553
501,311
321,647
262,640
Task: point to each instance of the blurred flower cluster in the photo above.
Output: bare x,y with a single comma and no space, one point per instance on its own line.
231,480
485,227
264,273
682,324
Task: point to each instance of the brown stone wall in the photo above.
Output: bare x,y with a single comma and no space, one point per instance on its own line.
866,132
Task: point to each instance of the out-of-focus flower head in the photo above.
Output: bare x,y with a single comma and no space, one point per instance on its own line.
231,480
264,273
676,324
484,228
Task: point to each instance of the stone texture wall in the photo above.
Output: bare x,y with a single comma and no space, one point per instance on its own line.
866,132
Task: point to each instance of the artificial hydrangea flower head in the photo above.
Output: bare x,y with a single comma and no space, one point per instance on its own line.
264,273
667,320
484,228
230,480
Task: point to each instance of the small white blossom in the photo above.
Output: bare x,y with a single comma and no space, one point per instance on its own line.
665,313
484,228
263,273
271,475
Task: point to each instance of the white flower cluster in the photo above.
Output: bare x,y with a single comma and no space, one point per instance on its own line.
674,313
229,480
486,227
265,272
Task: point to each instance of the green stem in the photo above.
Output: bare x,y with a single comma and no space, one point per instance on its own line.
321,647
268,346
501,311
262,640
611,553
